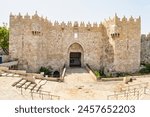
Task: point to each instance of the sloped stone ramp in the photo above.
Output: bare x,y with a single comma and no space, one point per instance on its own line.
78,75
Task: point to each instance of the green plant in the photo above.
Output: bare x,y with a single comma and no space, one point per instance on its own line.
4,39
146,69
148,66
120,74
45,70
97,73
101,71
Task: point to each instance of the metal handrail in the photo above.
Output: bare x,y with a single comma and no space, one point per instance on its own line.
147,91
126,93
139,85
130,95
44,93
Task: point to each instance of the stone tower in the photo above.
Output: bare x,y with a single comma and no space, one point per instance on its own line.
124,35
145,49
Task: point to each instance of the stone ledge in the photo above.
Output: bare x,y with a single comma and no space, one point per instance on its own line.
91,72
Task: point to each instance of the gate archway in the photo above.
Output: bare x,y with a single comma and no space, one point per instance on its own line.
75,55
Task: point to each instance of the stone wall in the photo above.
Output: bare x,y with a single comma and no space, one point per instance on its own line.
5,58
145,49
124,36
37,42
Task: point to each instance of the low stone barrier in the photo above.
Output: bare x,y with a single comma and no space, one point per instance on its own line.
143,76
40,76
111,79
36,75
20,72
28,75
48,78
91,72
124,79
63,74
4,68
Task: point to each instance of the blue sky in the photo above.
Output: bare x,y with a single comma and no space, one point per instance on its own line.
78,10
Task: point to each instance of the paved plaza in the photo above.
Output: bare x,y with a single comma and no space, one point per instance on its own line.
78,85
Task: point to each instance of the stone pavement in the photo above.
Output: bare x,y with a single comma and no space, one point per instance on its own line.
78,75
78,85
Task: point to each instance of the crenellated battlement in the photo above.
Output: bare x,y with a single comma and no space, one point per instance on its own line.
122,28
27,17
123,20
68,24
111,21
145,37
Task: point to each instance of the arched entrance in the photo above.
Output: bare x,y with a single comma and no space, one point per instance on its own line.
75,59
75,55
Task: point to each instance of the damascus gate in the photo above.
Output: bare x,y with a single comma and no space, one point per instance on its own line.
112,44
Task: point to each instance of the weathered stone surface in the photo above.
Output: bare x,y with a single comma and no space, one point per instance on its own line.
145,49
124,37
113,44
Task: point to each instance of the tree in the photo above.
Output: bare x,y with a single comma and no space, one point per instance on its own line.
4,39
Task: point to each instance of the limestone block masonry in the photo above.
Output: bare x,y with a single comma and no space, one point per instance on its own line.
145,49
113,44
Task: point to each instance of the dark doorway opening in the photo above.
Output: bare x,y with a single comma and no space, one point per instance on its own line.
75,59
56,74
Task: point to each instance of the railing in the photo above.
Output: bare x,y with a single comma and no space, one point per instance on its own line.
44,95
136,86
126,96
147,91
35,90
131,92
